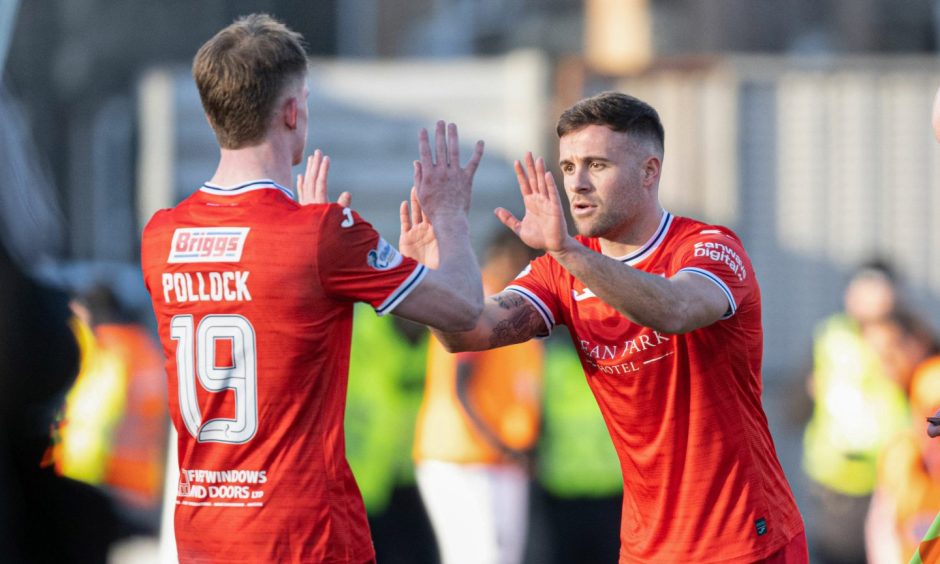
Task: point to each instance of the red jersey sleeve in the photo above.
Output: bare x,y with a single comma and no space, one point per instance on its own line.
537,283
356,263
717,254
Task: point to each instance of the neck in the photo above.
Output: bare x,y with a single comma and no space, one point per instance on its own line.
635,233
265,160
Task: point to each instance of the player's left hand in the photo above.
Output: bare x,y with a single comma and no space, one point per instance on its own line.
543,227
443,185
312,185
417,239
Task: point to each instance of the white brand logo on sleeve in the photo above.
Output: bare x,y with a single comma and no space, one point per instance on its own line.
720,252
207,244
348,222
384,256
587,293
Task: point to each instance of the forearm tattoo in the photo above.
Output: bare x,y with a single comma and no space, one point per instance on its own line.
523,323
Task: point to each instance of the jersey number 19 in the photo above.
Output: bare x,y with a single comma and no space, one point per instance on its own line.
240,375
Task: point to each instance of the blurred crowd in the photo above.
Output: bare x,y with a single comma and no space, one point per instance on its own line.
872,470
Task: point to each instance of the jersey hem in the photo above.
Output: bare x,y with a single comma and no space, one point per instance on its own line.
540,306
403,290
732,306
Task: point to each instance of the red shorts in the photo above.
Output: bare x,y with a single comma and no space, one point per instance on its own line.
795,552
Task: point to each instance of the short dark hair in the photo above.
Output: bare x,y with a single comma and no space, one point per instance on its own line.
242,71
618,111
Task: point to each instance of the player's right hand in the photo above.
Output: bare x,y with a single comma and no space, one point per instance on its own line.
543,227
417,239
312,185
443,186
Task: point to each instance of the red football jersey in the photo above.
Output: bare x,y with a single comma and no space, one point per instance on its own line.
702,482
253,295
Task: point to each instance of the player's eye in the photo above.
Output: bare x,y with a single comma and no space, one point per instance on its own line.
596,165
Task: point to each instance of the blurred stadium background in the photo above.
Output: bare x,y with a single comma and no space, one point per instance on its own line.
803,125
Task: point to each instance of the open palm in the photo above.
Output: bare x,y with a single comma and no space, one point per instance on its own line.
543,226
417,238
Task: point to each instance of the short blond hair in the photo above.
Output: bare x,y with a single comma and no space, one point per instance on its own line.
241,73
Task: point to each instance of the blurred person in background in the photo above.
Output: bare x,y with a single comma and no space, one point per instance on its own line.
113,434
863,359
906,497
576,508
665,313
43,517
933,429
253,294
386,361
902,341
475,434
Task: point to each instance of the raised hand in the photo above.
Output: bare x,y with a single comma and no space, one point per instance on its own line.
312,185
543,226
417,238
442,185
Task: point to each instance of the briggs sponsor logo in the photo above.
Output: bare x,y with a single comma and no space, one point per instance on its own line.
207,244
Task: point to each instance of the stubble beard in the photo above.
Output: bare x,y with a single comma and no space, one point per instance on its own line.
598,226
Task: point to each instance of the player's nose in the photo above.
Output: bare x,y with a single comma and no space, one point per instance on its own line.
580,181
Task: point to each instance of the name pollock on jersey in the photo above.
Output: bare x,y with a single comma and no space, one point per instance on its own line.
227,286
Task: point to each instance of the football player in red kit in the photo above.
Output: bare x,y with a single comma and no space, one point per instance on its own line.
253,295
665,313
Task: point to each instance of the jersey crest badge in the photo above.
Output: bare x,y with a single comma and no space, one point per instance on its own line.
384,256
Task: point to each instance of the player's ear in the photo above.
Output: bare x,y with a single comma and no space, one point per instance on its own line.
652,166
289,112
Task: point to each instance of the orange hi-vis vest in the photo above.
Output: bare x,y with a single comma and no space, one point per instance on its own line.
503,391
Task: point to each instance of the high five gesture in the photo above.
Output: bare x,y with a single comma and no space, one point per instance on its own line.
443,186
543,226
436,232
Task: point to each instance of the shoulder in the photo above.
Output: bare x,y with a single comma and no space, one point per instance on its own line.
687,229
156,234
696,240
158,219
331,216
325,221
